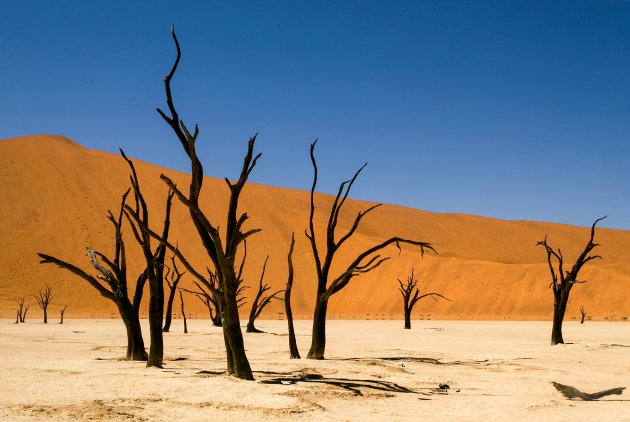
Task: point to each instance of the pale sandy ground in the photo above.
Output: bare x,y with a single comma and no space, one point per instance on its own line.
495,370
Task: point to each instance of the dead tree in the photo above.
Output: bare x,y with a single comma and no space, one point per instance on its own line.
181,305
43,298
63,311
111,283
221,251
411,295
260,301
22,310
172,279
138,218
293,349
582,314
209,302
563,281
364,262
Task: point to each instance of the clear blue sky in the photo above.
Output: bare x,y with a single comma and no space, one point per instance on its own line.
515,110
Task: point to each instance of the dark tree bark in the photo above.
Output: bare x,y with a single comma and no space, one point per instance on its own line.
111,283
221,251
411,296
293,348
364,262
260,301
138,218
172,279
43,298
563,281
181,303
582,314
63,311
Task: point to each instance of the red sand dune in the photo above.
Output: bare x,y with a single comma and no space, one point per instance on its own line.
55,194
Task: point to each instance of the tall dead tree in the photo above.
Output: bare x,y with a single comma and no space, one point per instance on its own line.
63,311
582,314
138,218
562,281
172,279
22,310
43,298
411,295
364,262
181,306
111,283
293,348
221,251
260,300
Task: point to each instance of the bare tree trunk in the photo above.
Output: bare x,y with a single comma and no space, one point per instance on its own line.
293,348
17,317
156,309
559,309
135,342
235,344
169,311
407,318
318,341
181,302
63,311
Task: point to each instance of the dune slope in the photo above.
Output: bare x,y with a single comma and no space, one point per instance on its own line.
56,193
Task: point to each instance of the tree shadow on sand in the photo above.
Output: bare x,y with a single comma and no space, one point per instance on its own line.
431,361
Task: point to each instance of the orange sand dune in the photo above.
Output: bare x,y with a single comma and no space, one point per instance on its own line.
55,194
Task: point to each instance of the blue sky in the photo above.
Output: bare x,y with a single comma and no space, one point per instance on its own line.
515,110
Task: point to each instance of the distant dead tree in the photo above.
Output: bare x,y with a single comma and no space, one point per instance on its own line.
260,301
63,311
364,262
221,251
181,304
43,298
293,348
411,295
209,302
172,278
111,283
562,281
22,310
582,314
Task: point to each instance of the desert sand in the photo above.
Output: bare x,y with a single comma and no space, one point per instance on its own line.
56,194
374,370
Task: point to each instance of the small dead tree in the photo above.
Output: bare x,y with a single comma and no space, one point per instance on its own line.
260,301
22,310
582,314
293,348
43,298
411,295
563,281
181,305
63,311
364,262
172,278
111,283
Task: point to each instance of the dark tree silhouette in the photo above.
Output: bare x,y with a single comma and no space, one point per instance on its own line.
260,301
209,301
563,281
22,310
138,218
63,311
293,349
221,251
172,279
582,314
411,295
111,283
43,298
364,262
181,305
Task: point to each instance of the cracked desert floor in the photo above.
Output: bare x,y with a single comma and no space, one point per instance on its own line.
374,370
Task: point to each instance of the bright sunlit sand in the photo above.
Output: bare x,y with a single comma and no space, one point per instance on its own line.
374,370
